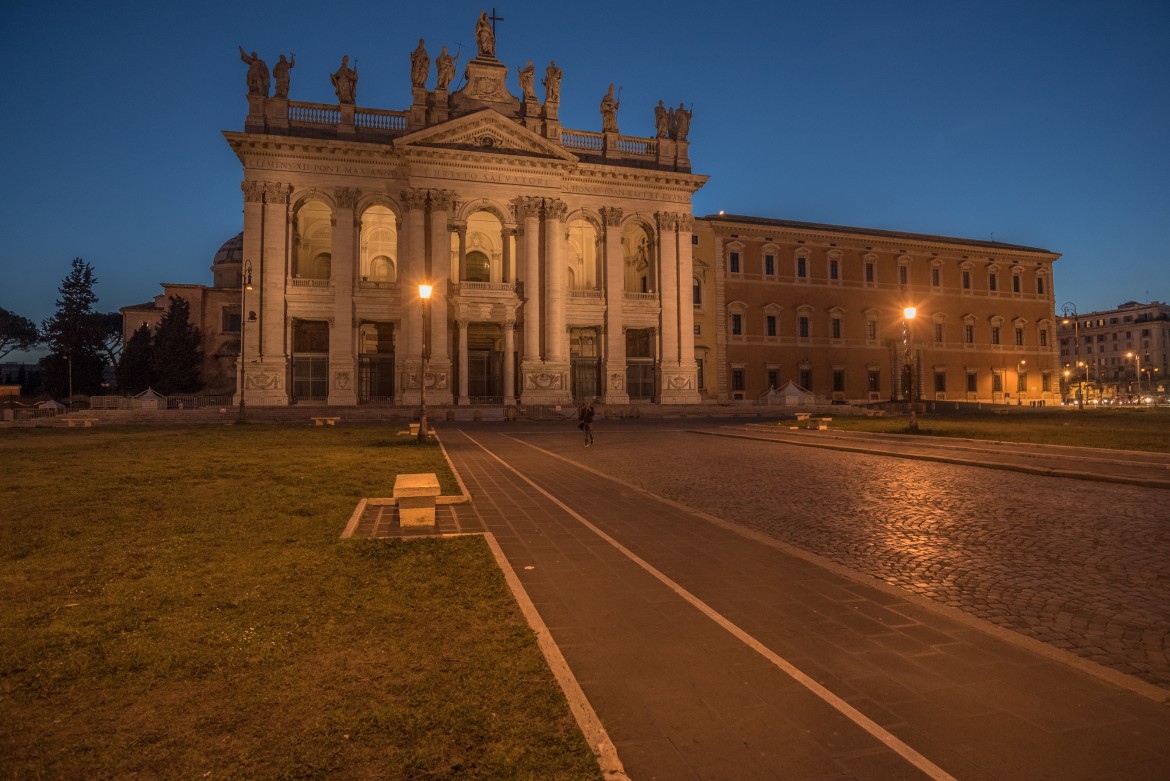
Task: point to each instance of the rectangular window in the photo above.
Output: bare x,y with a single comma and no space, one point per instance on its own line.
936,277
873,380
804,330
972,382
1022,382
802,267
698,329
1043,337
938,332
966,279
834,269
996,382
838,380
770,322
940,382
992,281
903,275
699,379
773,378
836,328
1015,283
806,379
231,320
737,379
733,262
770,265
696,293
871,329
1046,382
1019,337
869,271
1040,286
736,324
995,334
969,333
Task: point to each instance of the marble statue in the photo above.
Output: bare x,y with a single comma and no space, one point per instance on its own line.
257,74
609,110
552,83
661,121
420,65
682,123
527,78
345,82
445,65
281,72
485,36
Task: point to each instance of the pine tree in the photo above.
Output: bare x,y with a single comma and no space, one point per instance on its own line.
16,332
75,361
136,362
177,351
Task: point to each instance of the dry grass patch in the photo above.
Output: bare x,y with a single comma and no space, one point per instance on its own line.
178,605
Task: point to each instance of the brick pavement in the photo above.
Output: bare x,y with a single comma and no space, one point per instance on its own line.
679,627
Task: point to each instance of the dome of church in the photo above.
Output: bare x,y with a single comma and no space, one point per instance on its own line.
232,251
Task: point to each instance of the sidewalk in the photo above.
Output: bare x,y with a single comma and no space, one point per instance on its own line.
710,652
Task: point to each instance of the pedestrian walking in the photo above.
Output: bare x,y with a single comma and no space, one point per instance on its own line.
586,424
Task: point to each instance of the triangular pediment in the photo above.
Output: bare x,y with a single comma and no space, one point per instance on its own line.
487,131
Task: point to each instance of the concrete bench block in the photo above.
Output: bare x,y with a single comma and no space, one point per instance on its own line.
415,496
324,421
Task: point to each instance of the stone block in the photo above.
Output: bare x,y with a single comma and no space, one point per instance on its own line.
415,495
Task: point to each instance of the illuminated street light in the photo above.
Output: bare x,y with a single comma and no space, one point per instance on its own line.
1070,315
907,318
424,294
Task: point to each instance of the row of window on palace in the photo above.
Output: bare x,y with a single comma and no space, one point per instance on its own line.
804,330
834,272
873,380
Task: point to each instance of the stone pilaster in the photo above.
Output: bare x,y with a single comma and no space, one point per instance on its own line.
614,361
343,273
268,385
411,272
462,324
528,214
556,274
509,361
441,203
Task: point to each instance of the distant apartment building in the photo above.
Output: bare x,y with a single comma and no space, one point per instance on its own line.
1116,353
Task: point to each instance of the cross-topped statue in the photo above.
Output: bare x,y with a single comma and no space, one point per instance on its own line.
485,33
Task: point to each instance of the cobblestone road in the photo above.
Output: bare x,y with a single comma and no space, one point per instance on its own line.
1080,565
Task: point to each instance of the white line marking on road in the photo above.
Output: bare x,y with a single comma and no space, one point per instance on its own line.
892,742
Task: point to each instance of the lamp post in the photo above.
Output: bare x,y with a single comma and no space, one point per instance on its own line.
908,318
1070,315
1021,382
1137,360
424,294
246,282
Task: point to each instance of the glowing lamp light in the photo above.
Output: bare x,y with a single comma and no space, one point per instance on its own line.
424,291
909,312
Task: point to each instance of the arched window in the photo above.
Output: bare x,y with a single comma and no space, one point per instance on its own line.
314,241
379,245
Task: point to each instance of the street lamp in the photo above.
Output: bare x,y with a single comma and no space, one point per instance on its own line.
424,294
1138,360
1070,315
1021,382
908,316
246,282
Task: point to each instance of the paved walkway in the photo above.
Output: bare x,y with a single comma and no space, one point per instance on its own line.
710,650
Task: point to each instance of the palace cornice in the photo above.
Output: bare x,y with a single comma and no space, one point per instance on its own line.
309,148
853,238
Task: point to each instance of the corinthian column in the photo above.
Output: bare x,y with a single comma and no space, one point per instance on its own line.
668,287
528,212
411,272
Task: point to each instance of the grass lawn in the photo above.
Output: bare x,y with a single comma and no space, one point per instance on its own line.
1123,429
177,603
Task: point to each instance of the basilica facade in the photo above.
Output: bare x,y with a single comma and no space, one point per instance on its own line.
566,264
559,260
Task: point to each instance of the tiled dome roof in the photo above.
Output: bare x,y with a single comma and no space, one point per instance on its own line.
232,251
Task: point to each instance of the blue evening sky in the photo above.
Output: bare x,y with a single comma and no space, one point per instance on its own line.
1036,123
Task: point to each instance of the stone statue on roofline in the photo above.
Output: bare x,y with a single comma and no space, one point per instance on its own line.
281,71
552,83
345,82
257,74
445,65
609,110
527,81
661,121
682,123
485,36
420,65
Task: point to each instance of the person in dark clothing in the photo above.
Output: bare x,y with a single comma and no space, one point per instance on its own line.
586,425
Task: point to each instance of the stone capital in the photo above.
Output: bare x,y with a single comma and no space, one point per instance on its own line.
667,221
555,209
347,196
277,192
611,215
415,199
253,191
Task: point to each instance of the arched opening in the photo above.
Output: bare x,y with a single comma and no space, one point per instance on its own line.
379,246
582,255
313,242
479,267
637,251
485,249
